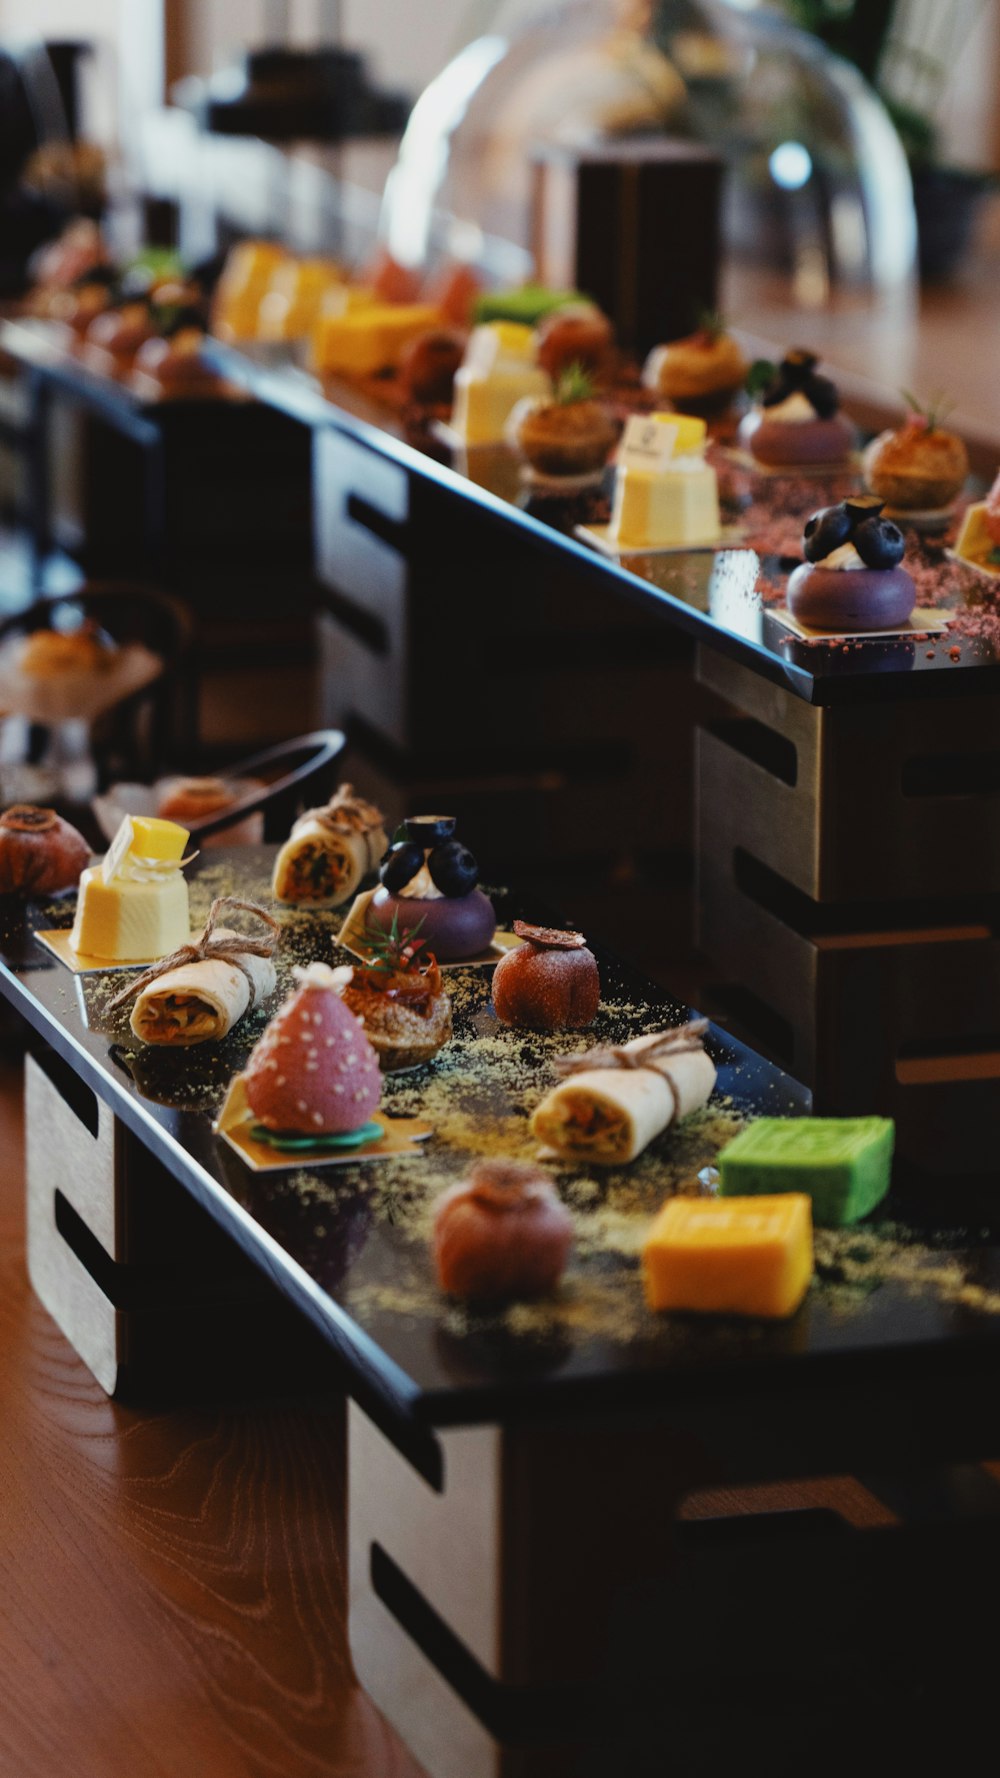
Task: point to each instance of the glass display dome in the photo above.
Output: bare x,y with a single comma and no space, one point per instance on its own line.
818,184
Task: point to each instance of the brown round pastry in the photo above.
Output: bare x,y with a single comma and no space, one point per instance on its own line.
194,799
701,372
175,366
920,467
120,332
40,853
570,435
46,654
428,365
578,334
501,1233
549,983
402,1005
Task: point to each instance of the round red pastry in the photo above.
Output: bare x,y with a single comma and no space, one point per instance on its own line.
176,365
501,1233
579,334
428,365
550,983
314,1069
40,853
452,927
120,332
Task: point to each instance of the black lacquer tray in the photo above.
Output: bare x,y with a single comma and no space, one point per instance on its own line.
348,1244
712,596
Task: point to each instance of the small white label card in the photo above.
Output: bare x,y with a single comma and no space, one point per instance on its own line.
648,442
118,851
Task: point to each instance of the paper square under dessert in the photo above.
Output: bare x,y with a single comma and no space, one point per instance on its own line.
83,962
920,623
353,937
381,1139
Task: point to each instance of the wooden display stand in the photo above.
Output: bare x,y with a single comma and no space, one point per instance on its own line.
846,864
149,1292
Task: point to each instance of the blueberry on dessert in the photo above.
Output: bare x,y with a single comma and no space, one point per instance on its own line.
399,998
919,468
795,420
852,578
569,435
429,884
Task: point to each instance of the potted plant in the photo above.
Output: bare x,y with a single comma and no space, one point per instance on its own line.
908,57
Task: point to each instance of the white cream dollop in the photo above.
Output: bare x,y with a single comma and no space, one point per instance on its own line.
795,408
421,887
844,556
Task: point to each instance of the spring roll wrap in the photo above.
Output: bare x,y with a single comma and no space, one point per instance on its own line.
609,1114
202,1000
329,852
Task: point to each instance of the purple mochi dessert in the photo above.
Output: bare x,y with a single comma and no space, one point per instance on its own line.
429,887
796,422
852,579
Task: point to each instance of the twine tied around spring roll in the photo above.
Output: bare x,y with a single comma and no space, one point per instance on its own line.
212,947
346,813
683,1040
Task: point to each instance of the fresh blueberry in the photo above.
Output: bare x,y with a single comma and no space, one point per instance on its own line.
400,865
428,830
453,869
861,507
825,531
879,543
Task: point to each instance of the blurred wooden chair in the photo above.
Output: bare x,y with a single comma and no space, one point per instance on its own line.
306,772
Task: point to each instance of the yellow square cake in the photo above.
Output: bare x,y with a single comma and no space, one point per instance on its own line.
730,1256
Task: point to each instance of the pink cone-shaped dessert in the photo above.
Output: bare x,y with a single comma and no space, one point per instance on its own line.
314,1069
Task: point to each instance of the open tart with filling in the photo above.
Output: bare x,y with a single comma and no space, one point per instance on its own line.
399,998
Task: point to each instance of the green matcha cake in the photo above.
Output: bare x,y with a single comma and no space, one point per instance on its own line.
527,305
844,1163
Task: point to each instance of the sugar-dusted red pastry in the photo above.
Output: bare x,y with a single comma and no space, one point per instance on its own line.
919,467
40,853
699,373
175,365
428,889
391,282
501,1233
852,579
116,334
314,1070
796,420
578,334
428,365
571,434
399,997
549,983
453,291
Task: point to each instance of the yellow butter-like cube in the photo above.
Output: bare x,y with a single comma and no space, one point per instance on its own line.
667,508
691,432
364,341
730,1256
154,838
